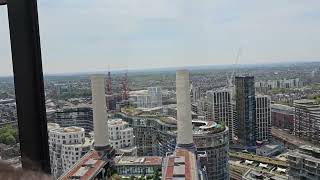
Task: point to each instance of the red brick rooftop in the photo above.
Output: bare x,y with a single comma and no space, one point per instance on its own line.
186,160
87,167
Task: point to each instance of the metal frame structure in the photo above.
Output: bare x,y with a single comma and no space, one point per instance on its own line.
28,80
3,2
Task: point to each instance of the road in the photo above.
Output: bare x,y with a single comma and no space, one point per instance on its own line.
289,138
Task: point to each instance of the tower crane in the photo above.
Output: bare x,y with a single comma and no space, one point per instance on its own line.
230,79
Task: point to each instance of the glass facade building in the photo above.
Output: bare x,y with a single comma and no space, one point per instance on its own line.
75,116
246,107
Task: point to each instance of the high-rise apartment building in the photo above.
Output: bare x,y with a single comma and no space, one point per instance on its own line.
307,119
263,118
246,110
66,146
204,109
121,137
235,117
197,93
221,107
80,116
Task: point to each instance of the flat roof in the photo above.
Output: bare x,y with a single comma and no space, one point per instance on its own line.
52,126
310,148
116,122
251,157
128,149
253,174
141,160
87,142
282,107
304,101
269,147
71,129
138,92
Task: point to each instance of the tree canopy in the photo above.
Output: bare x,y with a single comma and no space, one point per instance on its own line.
7,135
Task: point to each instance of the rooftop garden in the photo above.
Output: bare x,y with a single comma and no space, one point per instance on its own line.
131,110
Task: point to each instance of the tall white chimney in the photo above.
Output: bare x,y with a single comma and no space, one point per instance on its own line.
185,138
101,135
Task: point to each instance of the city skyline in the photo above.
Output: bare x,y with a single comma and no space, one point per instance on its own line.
88,36
158,89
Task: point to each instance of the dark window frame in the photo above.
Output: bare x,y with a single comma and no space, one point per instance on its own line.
28,81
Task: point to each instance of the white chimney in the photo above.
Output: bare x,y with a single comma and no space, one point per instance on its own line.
185,138
101,135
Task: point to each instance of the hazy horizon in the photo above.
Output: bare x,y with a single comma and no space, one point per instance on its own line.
87,36
173,68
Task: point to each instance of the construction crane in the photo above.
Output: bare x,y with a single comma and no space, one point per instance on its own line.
230,79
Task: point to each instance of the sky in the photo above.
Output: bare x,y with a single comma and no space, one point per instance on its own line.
86,36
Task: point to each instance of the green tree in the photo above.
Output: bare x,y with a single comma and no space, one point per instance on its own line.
150,177
157,175
7,135
10,140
